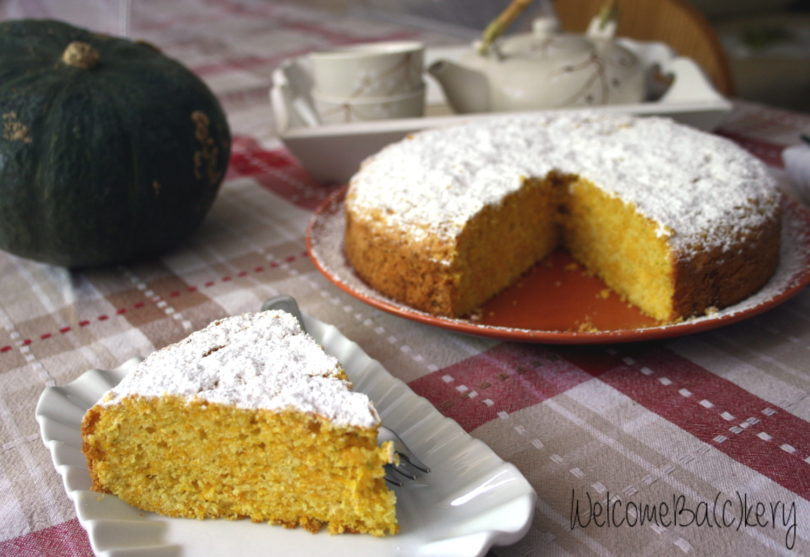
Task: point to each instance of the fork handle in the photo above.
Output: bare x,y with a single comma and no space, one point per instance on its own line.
286,303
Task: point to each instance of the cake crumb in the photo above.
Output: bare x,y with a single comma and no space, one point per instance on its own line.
604,294
587,326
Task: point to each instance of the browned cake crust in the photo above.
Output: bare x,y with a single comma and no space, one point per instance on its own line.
715,279
496,247
400,268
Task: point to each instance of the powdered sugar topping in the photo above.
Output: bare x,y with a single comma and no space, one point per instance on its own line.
255,360
686,180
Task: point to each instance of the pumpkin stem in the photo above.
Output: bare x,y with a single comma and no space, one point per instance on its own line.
81,55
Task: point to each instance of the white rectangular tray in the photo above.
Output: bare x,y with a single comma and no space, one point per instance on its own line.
334,152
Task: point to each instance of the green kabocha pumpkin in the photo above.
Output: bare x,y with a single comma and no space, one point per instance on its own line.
109,150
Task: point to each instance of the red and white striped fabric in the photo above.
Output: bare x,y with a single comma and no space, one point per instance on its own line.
716,419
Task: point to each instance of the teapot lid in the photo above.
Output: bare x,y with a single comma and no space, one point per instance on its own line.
544,26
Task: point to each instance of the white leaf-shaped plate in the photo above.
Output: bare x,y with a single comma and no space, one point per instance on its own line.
469,502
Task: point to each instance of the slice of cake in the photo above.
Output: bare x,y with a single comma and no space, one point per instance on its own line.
247,418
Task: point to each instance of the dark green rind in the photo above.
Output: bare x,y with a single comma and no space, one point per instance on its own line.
81,192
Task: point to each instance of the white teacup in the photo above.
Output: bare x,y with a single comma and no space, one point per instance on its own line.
338,110
367,70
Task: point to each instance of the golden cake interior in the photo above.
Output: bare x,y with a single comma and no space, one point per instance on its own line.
197,459
613,240
501,242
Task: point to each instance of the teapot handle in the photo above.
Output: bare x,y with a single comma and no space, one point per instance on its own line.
501,23
604,23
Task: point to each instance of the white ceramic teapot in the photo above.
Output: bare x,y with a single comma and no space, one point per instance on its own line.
544,69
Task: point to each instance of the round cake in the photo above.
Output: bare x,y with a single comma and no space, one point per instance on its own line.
677,221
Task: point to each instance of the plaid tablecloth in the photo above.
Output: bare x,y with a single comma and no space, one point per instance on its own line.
716,418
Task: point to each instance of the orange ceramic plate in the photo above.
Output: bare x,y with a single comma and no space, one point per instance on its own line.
557,301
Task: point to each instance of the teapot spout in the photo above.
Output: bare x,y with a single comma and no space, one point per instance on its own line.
466,89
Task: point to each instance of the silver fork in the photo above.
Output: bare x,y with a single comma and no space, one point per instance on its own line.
407,465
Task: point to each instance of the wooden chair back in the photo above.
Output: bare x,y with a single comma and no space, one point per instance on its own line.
675,22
